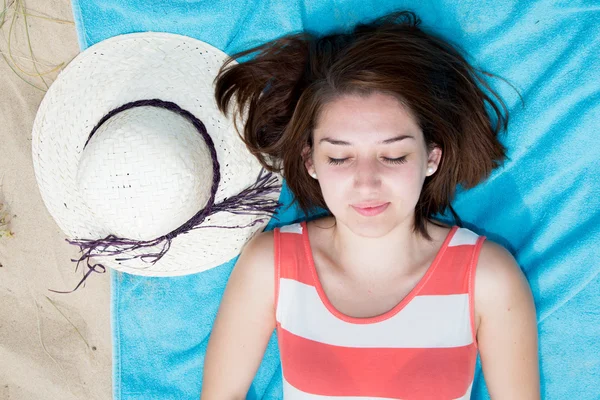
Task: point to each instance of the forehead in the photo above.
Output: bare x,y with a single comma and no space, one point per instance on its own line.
362,119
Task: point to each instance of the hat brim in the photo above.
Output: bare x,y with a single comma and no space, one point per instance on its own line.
127,68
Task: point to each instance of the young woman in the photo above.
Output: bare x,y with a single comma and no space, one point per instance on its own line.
377,300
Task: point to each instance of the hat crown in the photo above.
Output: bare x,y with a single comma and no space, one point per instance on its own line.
163,71
145,172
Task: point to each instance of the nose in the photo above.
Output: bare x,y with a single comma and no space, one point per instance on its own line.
367,175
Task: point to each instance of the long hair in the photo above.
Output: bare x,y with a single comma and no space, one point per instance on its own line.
279,93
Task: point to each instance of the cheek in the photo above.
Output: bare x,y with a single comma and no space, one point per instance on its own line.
407,177
334,177
404,185
336,183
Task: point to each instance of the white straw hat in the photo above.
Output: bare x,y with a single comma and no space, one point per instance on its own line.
133,158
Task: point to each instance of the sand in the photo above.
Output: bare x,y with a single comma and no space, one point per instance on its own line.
52,346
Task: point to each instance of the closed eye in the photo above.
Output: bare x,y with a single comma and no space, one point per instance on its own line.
400,160
336,161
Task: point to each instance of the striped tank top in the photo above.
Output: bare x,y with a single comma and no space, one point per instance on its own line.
423,348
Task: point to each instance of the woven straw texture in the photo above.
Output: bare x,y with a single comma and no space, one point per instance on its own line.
107,75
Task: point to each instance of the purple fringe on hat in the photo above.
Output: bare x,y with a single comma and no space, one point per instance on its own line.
250,201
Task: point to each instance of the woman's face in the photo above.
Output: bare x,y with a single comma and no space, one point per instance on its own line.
370,159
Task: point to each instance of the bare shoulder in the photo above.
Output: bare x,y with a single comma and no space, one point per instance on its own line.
244,323
257,256
260,246
494,259
253,274
507,333
499,281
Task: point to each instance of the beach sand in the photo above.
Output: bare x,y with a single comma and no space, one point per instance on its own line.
52,346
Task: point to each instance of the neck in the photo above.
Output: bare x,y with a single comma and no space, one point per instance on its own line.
399,250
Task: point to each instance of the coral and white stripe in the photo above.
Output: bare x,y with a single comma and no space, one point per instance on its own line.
427,316
424,348
291,393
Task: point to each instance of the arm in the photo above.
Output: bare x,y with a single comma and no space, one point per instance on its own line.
244,323
507,334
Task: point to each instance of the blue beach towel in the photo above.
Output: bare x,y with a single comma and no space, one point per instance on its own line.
543,205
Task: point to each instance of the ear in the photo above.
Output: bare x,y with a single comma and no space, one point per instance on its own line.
433,160
308,160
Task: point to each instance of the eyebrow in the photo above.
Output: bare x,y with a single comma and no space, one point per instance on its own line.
387,141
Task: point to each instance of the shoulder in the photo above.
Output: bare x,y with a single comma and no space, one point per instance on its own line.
497,268
499,282
507,335
255,265
259,252
259,248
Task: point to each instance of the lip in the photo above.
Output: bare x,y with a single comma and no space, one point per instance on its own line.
371,209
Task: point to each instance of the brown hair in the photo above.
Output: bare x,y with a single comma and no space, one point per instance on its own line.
282,90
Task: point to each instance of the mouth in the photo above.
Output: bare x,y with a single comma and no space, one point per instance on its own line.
370,210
